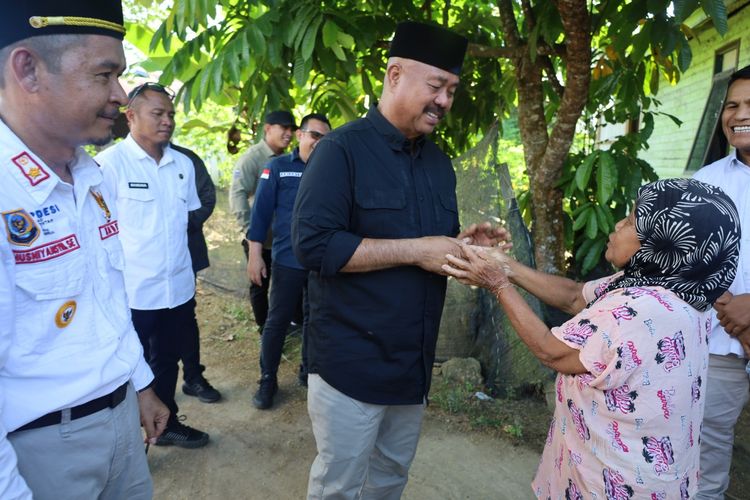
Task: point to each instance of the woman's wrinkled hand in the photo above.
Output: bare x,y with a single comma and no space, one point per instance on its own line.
481,266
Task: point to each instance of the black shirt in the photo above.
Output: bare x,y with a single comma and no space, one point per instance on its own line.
372,335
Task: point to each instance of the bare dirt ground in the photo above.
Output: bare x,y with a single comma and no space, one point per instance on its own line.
256,454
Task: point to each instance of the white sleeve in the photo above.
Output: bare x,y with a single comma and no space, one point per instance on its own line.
12,485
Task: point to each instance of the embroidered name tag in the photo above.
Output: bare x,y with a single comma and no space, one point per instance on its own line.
47,251
290,174
108,229
138,185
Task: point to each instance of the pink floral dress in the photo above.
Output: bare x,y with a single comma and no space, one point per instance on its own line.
629,427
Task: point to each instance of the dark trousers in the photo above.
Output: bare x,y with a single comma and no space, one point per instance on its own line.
288,285
192,369
163,333
259,294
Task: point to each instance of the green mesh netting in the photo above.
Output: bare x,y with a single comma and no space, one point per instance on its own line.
473,324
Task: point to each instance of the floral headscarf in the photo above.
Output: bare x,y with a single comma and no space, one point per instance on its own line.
690,241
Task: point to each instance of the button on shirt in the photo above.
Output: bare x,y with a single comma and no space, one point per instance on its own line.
274,201
153,201
372,335
733,176
68,338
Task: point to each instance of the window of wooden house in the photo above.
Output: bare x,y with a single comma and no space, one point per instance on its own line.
710,144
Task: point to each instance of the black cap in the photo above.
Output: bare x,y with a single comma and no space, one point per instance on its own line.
29,18
429,44
283,118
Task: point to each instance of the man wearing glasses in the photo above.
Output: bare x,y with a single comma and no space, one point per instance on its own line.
274,201
155,190
278,128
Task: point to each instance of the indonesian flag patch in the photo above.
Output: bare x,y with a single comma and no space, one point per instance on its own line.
266,173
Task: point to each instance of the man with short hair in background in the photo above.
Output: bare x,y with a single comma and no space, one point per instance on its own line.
155,190
277,134
728,388
72,375
274,201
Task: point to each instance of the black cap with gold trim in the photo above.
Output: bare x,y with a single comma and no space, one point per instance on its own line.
55,17
429,44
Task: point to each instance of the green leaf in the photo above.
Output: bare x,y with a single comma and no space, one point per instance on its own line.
583,218
685,56
346,40
330,33
592,227
308,42
300,75
256,41
216,74
583,173
338,52
601,219
232,63
593,256
683,9
606,177
195,122
640,43
583,249
718,12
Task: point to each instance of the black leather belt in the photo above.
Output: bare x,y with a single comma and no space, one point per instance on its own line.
110,400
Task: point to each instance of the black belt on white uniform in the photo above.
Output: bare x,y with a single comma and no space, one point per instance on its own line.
110,400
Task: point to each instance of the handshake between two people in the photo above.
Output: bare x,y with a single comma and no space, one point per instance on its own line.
477,256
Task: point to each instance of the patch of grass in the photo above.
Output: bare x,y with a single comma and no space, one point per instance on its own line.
239,312
523,421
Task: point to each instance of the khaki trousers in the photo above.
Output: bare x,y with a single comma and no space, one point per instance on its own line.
364,450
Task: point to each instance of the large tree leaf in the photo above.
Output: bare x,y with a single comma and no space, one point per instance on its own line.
606,177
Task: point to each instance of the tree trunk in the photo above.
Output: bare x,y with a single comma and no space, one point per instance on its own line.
545,153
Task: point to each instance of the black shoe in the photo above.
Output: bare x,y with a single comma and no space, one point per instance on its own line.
202,390
263,399
181,435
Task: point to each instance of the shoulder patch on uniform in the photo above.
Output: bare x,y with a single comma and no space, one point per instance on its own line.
266,173
22,229
30,169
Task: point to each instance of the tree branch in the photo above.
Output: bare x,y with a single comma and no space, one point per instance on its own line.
549,70
507,52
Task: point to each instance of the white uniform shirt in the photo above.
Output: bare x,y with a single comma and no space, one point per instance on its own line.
153,202
69,338
733,176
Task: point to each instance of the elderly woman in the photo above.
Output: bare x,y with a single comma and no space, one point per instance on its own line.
633,359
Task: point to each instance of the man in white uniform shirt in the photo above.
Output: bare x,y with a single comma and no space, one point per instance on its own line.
155,189
72,373
728,387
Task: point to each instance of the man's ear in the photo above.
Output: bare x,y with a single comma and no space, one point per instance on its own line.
24,66
393,73
129,114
